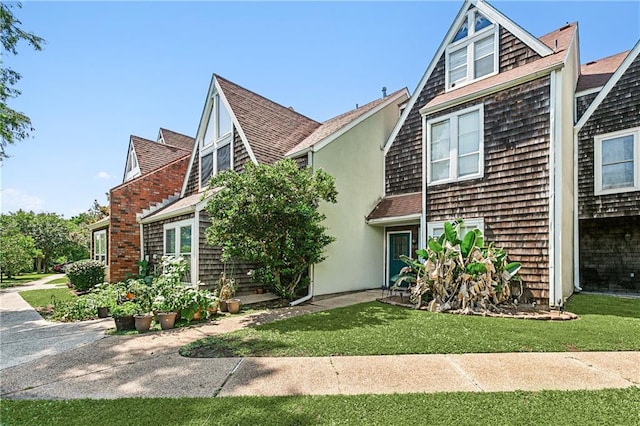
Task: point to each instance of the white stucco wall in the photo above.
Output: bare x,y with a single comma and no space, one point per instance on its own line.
355,260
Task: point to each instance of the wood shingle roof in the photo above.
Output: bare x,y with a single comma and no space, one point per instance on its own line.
152,155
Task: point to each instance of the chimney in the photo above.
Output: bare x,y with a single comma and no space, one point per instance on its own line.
384,92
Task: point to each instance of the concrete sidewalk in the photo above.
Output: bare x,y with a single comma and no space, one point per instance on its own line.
149,366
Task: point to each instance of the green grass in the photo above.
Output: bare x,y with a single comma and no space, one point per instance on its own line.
42,298
605,324
59,281
614,406
21,280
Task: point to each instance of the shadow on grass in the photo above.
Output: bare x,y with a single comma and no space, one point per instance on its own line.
232,346
595,304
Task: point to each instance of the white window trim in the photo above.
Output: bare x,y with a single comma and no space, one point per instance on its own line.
177,225
102,257
468,42
453,148
212,146
473,223
597,150
132,171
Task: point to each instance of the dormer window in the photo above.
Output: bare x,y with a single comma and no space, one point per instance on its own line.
215,151
473,53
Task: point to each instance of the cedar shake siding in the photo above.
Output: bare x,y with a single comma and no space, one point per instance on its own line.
240,153
403,162
513,52
610,254
211,267
154,239
192,183
512,197
129,199
583,102
302,161
618,111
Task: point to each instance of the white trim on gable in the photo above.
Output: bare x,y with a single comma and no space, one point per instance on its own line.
134,172
607,87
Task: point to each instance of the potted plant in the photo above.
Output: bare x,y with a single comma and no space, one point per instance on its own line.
227,289
165,308
123,315
233,305
143,321
105,296
196,302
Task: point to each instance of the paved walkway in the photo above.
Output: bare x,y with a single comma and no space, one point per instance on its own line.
149,366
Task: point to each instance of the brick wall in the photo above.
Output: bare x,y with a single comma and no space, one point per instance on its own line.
129,199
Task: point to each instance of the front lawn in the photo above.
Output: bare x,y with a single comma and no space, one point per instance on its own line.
21,280
44,297
606,324
612,406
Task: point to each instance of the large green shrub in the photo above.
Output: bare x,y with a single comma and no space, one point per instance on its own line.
85,274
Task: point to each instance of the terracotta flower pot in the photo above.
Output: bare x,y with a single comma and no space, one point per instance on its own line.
167,320
223,306
233,305
143,322
125,323
103,312
198,314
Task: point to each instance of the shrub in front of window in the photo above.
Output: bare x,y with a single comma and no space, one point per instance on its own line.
85,274
460,274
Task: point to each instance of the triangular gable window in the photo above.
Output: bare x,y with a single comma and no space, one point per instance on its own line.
133,168
215,154
473,52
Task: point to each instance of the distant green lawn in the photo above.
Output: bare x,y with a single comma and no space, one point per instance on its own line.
21,280
604,407
42,298
59,281
606,324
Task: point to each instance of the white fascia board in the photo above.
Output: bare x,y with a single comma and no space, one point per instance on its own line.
497,17
588,92
299,153
344,129
245,141
490,90
102,223
199,135
174,213
462,13
126,163
608,86
397,220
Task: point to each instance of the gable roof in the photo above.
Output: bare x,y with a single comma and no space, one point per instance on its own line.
396,207
271,129
626,63
152,155
561,39
340,124
495,16
169,137
596,73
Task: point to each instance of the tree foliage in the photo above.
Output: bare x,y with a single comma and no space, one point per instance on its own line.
17,250
15,125
268,215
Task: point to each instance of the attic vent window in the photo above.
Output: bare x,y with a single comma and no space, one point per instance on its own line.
473,52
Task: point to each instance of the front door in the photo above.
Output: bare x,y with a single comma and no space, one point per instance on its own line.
398,243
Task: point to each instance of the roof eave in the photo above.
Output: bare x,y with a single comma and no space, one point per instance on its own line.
395,220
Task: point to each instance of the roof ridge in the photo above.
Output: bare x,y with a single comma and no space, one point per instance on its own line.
367,105
290,109
177,133
624,52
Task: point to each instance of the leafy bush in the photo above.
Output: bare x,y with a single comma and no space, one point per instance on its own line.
460,274
79,309
125,309
85,274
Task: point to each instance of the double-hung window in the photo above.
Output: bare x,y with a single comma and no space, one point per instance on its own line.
435,229
100,246
455,146
178,241
617,162
215,150
473,53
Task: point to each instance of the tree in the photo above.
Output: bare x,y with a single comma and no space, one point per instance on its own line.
15,126
269,215
50,233
17,254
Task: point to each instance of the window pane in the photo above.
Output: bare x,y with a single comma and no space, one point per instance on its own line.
463,31
224,157
619,175
458,65
483,54
617,150
185,239
224,119
170,241
468,134
440,141
206,168
209,134
481,22
468,165
440,170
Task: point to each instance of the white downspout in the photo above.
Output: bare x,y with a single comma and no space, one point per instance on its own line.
576,223
311,268
552,202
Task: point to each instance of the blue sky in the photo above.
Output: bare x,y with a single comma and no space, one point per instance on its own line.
112,69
